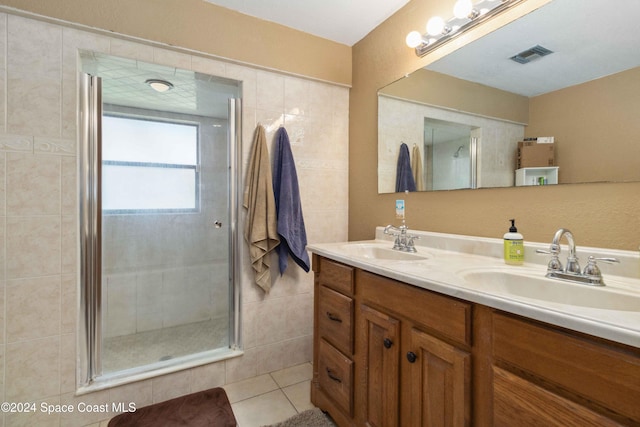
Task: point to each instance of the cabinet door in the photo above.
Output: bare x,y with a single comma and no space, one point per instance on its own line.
380,356
439,383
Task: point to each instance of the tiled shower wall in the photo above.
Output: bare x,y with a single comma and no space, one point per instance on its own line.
39,216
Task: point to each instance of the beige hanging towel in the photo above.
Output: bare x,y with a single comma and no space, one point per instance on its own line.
260,229
416,167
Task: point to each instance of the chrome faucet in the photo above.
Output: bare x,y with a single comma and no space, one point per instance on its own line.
571,272
403,241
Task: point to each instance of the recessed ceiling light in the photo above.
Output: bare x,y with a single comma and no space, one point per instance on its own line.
159,85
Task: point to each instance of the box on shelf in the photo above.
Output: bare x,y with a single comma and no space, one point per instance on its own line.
532,154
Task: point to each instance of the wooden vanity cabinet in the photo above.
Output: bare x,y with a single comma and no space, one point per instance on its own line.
389,354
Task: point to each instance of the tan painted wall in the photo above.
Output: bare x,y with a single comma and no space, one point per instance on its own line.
204,27
605,215
429,87
596,127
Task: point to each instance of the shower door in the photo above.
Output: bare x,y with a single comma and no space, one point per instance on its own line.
450,154
162,191
165,265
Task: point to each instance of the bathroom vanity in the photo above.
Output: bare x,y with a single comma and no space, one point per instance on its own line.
439,338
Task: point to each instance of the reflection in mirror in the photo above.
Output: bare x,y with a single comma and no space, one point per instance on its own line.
586,94
447,154
400,120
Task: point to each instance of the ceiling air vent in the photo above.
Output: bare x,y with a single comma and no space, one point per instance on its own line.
529,55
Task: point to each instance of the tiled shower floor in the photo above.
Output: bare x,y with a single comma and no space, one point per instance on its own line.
143,348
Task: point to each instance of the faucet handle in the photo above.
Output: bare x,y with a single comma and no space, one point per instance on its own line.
604,259
553,250
593,271
554,262
410,247
592,268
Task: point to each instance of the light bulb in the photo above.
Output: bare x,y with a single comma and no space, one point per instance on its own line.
435,26
414,39
462,9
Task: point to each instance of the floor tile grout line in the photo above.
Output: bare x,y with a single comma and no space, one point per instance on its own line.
271,391
258,395
290,402
285,394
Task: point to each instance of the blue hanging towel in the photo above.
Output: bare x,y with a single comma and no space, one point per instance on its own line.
404,177
293,237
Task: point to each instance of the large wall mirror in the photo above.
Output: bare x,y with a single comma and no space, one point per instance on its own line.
465,113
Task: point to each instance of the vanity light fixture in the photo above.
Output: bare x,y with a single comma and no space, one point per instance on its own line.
466,15
159,85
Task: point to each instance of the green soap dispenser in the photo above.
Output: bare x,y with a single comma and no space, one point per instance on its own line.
513,246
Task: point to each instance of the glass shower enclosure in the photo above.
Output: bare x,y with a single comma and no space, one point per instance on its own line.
158,214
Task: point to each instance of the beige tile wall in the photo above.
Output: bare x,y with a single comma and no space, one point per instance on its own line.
39,216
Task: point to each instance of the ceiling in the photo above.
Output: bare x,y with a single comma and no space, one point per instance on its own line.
123,83
590,39
343,21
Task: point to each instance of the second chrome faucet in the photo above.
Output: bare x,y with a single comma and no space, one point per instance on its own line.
572,272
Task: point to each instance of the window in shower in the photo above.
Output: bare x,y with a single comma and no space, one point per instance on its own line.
149,165
159,208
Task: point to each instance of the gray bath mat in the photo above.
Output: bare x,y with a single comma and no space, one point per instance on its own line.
309,418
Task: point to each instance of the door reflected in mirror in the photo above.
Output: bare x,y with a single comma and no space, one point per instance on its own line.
447,148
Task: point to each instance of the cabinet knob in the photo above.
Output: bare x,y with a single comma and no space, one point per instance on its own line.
411,357
387,343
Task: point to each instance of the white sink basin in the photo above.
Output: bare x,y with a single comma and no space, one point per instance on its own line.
533,287
376,251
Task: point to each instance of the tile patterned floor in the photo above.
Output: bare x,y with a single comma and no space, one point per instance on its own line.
271,398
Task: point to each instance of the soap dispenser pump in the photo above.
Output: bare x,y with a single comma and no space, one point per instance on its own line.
513,246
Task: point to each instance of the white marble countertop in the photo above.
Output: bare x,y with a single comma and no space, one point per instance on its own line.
447,260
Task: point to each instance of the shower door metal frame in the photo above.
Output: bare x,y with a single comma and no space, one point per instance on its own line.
90,308
90,322
235,201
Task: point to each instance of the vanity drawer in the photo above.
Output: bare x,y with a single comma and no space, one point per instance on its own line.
337,276
335,319
591,368
335,375
447,316
517,401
